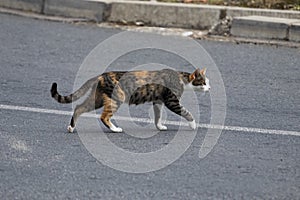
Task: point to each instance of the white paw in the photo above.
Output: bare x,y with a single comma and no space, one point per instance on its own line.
116,129
70,129
161,127
193,125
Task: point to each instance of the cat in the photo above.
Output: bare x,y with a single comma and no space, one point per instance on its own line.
111,89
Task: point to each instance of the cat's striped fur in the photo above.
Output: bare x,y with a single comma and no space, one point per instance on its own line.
111,89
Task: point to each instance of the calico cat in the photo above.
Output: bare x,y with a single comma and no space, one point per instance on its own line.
111,89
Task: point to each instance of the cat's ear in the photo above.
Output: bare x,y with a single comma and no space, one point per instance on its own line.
194,74
203,71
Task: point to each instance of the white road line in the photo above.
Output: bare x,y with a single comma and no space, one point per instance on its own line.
145,120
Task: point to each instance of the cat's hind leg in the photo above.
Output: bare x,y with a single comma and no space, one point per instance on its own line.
110,107
90,103
82,108
157,116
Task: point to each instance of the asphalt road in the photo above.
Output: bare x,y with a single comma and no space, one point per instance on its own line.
39,160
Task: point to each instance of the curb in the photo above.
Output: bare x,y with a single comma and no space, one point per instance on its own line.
35,6
152,13
175,15
266,28
294,32
91,10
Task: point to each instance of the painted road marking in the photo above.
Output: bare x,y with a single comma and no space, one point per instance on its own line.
145,120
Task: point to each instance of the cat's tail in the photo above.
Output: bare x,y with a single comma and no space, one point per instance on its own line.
74,96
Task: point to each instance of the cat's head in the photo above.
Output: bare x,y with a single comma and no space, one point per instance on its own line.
198,80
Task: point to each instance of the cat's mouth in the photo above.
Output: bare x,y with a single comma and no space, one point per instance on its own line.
203,89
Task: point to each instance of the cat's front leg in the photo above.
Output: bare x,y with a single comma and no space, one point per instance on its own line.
173,104
157,117
193,124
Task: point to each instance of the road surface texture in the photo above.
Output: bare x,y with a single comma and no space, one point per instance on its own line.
40,160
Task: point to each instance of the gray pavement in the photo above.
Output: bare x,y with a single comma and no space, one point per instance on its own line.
40,161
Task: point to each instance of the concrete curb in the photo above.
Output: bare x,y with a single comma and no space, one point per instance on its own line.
265,28
25,5
240,12
294,33
91,10
165,15
159,14
183,15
